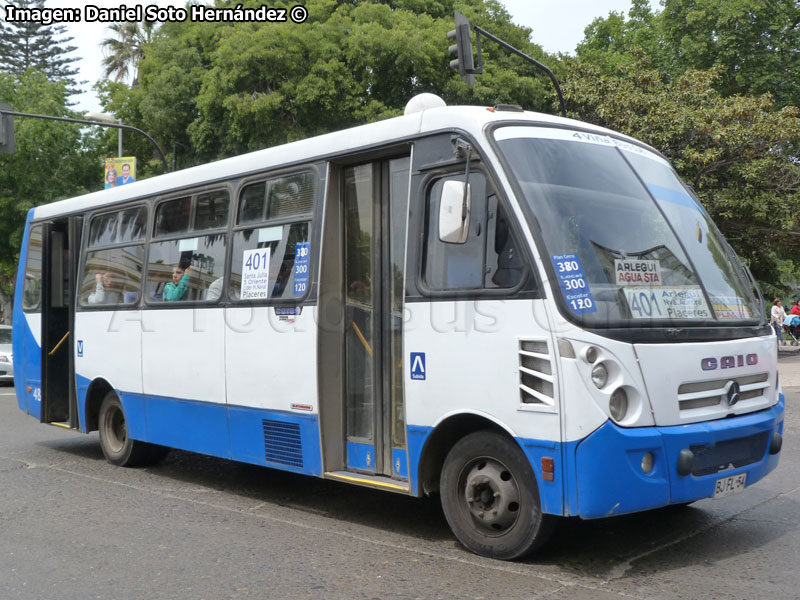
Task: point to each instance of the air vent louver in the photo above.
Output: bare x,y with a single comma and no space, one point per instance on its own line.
535,373
282,443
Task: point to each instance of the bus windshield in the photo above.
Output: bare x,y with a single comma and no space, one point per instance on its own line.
627,240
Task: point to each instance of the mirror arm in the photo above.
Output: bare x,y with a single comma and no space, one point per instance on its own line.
466,187
459,147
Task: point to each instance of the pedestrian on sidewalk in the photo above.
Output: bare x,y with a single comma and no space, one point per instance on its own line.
777,315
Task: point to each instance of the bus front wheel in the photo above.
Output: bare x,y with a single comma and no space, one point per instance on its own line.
490,497
118,448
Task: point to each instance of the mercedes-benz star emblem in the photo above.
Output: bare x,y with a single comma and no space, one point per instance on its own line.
732,392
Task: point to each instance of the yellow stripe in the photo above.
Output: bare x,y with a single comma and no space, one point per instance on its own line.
64,425
370,482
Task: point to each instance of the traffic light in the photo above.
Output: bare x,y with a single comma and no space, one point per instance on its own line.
6,130
462,49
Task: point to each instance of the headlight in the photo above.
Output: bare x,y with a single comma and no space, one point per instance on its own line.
3,358
618,404
599,375
590,354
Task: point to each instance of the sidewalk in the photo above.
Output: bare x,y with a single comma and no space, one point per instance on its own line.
789,365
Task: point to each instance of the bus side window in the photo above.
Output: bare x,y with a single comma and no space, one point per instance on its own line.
271,238
173,216
112,276
211,210
490,257
32,291
456,266
184,270
103,229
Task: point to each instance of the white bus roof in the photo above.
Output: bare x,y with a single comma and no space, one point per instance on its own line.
471,119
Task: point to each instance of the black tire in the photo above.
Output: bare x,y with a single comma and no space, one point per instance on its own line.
118,448
490,497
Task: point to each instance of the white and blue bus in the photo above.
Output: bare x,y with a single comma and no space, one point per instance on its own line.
531,316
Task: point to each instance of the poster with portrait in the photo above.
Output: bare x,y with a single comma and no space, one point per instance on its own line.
120,171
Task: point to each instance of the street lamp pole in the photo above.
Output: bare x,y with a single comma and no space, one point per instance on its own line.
109,119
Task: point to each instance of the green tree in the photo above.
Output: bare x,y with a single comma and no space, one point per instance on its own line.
755,44
52,161
219,89
32,45
613,41
123,52
738,153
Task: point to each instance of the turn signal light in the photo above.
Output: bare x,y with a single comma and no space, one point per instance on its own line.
548,469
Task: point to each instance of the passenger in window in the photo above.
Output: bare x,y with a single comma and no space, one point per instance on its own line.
103,293
176,289
359,290
214,290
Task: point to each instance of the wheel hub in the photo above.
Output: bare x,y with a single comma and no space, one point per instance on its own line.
492,495
118,433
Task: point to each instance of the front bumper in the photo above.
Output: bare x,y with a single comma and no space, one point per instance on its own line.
609,479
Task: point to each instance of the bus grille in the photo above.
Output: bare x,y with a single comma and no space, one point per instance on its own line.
535,372
282,443
703,394
729,454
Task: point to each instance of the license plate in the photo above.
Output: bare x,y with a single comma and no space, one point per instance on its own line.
729,485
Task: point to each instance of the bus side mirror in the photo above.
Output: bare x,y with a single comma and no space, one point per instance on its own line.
454,212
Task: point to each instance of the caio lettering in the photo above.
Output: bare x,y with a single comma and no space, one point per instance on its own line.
708,364
728,362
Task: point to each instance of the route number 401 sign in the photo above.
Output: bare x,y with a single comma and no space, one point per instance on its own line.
255,274
667,303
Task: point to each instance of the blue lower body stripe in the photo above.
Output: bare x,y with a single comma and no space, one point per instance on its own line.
602,474
269,438
598,476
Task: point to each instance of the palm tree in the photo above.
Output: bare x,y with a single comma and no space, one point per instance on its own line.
123,53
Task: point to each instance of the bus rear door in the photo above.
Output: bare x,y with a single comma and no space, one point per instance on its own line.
61,244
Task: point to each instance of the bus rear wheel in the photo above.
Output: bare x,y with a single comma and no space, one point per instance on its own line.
490,497
118,448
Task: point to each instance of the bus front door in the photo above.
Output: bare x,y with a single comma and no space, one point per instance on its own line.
59,258
370,226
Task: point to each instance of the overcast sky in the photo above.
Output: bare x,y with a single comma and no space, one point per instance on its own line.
557,26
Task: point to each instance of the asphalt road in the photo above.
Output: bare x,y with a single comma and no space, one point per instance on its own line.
74,527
